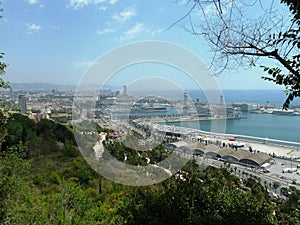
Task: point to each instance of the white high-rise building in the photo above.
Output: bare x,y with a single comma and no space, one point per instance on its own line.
185,102
221,100
22,104
125,94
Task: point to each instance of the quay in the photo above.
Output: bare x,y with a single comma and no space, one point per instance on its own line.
278,148
265,158
171,119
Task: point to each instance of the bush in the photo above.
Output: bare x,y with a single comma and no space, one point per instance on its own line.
55,178
39,180
69,149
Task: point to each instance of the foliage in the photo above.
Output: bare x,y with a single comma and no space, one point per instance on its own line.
3,129
42,137
83,172
55,178
13,171
134,157
46,181
65,190
69,149
276,185
187,199
61,188
4,115
3,66
39,180
239,38
289,39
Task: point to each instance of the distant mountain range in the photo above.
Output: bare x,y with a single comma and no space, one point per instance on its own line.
48,86
41,86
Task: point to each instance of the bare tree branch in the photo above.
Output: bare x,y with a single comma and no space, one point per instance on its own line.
238,39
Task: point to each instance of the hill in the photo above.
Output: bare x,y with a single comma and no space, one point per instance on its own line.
45,180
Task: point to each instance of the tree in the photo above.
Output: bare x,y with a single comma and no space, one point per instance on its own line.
69,149
189,197
3,65
3,112
13,171
239,38
3,128
276,185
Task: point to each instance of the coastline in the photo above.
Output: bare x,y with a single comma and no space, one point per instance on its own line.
278,148
192,119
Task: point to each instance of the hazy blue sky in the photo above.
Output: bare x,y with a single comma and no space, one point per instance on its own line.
55,41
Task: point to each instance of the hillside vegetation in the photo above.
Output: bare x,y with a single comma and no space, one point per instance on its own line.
45,180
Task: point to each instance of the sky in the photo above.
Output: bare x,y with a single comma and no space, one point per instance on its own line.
56,41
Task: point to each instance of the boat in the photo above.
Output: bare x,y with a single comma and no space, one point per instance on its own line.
288,112
149,109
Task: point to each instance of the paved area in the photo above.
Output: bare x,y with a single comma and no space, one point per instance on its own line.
276,170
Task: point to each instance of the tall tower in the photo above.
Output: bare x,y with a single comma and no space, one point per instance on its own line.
125,94
185,103
221,100
22,104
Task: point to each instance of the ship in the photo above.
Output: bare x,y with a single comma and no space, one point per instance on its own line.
149,109
288,112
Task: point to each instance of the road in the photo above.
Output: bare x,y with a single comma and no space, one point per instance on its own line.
265,177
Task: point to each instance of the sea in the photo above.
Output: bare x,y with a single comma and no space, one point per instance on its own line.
280,127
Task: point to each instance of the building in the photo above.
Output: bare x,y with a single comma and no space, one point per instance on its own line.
22,104
125,94
244,106
185,102
242,157
221,100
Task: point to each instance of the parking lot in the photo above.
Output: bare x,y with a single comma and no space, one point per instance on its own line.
276,170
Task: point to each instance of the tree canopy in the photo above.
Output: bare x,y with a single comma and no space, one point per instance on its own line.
3,65
242,33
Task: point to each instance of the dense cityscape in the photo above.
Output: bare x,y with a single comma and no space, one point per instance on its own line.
273,164
150,111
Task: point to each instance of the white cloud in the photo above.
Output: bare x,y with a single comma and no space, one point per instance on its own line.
155,32
102,8
125,15
210,10
133,32
31,28
79,4
183,2
106,31
139,30
226,6
31,2
113,2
